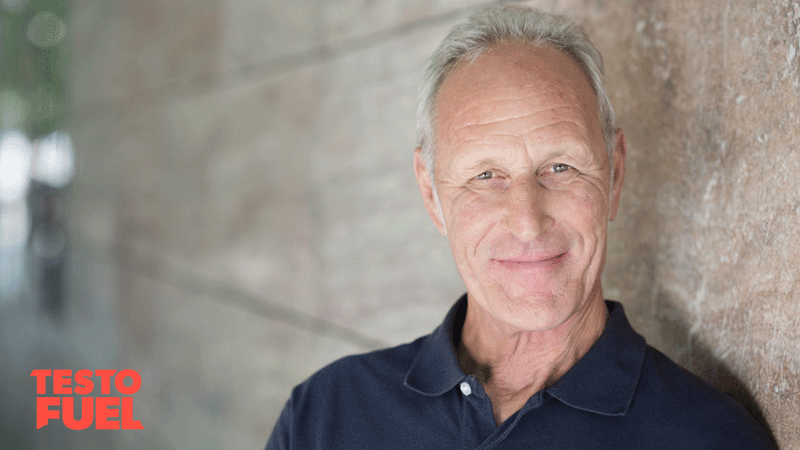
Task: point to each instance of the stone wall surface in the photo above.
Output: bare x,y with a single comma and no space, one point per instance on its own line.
245,211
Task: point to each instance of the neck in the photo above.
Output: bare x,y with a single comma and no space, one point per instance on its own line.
514,364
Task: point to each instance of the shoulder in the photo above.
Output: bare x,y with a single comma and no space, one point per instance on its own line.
678,387
331,404
689,408
356,375
381,363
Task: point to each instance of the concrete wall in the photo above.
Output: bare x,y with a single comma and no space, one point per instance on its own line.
245,211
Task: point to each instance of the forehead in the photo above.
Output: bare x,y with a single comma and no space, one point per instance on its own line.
514,89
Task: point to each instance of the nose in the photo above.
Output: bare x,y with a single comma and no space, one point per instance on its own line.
527,210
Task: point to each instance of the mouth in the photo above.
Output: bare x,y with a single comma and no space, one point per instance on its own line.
535,261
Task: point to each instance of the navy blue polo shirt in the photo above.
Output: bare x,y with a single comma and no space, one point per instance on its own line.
623,394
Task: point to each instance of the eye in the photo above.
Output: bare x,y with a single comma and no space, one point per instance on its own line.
489,181
560,167
557,175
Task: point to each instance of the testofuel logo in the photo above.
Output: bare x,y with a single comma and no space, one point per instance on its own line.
106,413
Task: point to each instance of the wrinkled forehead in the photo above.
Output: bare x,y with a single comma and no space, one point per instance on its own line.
515,79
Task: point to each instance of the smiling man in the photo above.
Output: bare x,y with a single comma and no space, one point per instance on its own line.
520,166
523,188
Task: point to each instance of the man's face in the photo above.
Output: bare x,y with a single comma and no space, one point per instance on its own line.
523,179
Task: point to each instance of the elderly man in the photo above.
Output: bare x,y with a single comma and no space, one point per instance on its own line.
520,166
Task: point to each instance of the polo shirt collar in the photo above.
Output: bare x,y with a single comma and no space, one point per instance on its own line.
435,370
603,381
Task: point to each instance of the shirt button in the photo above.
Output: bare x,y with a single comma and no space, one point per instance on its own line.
465,389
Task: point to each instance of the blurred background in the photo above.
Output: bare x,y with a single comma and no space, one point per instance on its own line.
219,194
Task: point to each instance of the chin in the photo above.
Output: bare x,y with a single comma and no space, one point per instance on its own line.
538,312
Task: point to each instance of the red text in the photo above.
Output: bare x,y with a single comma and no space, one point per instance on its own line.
106,413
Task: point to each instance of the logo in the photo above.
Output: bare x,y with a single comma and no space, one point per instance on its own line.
106,413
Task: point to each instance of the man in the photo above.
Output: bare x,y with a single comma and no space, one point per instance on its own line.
520,166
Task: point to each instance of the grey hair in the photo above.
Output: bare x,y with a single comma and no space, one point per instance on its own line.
487,28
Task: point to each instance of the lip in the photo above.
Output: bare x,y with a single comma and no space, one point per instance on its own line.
531,258
531,262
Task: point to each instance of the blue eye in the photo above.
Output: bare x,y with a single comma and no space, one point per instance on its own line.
560,167
485,175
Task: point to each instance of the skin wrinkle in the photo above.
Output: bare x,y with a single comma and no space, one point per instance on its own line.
511,120
515,101
568,99
593,164
605,162
435,113
476,128
530,243
584,160
473,55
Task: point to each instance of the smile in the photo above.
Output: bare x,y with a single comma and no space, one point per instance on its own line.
540,261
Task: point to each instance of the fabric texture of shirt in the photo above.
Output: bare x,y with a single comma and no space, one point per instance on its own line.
623,394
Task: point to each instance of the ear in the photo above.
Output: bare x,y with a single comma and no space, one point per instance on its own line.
426,189
617,173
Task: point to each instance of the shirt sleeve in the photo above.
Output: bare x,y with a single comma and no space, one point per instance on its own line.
280,439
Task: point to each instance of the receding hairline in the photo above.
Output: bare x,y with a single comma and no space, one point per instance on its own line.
473,55
534,81
526,56
493,26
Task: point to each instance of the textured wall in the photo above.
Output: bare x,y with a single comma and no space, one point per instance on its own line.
706,251
245,208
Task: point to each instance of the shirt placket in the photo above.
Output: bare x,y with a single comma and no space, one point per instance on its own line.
494,436
477,416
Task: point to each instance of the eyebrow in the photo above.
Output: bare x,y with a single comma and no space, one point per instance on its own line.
483,162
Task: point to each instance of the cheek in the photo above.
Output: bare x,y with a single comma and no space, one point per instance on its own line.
586,209
470,219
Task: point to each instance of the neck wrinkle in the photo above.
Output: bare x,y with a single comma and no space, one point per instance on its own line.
514,367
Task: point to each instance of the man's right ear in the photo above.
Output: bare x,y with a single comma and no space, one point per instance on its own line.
427,191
